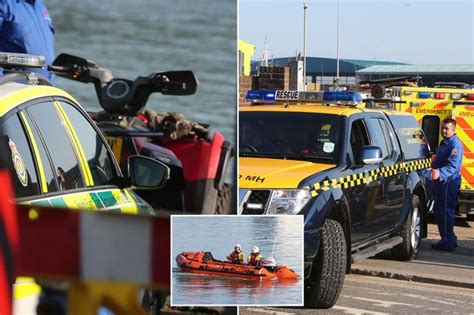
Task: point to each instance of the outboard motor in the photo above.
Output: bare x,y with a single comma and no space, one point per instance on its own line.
269,263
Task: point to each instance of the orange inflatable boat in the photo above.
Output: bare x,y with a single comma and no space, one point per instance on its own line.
204,263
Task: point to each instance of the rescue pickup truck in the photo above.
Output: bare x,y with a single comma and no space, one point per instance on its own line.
360,177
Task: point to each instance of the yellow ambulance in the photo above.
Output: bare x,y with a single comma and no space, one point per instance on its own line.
430,106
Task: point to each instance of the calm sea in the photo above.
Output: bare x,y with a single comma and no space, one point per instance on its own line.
219,235
138,37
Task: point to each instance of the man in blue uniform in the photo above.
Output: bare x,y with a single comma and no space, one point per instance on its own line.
446,175
26,27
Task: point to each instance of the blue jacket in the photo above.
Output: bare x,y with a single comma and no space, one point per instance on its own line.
26,27
449,158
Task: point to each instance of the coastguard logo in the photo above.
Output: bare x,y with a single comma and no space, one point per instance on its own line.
18,164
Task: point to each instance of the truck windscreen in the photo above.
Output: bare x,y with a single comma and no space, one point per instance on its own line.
304,136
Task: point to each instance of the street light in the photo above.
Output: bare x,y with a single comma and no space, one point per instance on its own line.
337,49
304,45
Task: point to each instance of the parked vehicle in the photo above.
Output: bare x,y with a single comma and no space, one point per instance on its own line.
360,177
56,155
37,121
198,160
430,106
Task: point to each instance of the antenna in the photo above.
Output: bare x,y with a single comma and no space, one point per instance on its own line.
265,55
274,242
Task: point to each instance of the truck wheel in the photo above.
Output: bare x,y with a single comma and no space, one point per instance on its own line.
411,233
327,276
469,216
224,204
153,301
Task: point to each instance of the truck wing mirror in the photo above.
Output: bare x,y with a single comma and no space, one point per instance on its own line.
369,155
147,173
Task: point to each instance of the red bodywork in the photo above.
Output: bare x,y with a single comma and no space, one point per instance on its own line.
8,242
200,158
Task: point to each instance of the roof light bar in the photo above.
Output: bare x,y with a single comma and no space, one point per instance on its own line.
312,96
342,98
279,96
260,96
439,95
10,60
456,96
424,94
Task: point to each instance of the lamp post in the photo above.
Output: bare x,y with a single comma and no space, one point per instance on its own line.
304,45
337,45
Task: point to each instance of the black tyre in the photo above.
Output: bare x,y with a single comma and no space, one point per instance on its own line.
52,302
378,91
225,204
153,301
470,217
411,233
324,285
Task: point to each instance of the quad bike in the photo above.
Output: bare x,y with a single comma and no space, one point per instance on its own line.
198,159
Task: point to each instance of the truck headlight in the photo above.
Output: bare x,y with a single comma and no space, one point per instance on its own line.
288,201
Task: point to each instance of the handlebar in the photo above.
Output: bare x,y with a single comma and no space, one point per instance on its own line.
123,96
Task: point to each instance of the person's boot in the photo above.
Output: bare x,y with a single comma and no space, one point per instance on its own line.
443,246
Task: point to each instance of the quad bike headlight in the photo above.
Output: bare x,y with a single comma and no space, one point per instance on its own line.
289,201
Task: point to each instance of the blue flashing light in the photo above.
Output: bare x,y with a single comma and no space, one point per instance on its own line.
261,96
339,97
424,94
22,60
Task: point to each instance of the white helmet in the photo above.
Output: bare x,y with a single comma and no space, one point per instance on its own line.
237,246
255,249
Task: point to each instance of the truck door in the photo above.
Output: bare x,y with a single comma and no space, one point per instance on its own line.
388,213
365,198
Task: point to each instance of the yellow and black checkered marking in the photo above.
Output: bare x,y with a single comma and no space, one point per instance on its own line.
368,176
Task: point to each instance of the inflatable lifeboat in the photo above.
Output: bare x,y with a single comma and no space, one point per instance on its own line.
204,263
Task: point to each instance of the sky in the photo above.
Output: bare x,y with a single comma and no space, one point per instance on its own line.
414,32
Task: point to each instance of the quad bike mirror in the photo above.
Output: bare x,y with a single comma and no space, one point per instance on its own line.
79,69
175,83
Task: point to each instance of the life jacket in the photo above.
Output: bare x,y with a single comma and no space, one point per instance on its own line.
236,257
254,259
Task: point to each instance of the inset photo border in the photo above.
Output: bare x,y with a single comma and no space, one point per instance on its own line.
203,275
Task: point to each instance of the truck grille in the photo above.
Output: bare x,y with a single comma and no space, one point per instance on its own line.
256,202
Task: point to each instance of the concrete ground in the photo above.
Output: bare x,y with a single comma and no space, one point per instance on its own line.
431,266
437,282
374,295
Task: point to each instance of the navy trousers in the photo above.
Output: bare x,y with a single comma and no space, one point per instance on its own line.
445,209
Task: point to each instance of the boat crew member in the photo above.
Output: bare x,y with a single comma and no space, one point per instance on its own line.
26,28
446,175
237,256
254,257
